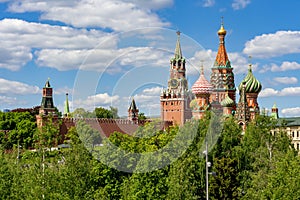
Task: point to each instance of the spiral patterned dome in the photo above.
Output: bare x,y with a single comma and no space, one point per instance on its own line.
227,102
202,86
252,84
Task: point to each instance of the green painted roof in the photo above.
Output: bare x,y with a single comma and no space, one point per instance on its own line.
252,84
289,121
227,102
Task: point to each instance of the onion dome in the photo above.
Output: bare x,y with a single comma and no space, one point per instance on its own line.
252,84
222,30
202,86
227,102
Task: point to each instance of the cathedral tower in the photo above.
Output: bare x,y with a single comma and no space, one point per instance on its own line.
242,112
252,89
175,99
222,77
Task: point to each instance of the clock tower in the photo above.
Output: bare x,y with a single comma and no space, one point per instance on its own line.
175,99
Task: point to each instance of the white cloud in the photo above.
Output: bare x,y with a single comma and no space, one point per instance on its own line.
19,38
97,100
14,87
208,3
290,112
240,4
152,91
152,4
8,101
285,66
289,91
273,44
127,15
286,80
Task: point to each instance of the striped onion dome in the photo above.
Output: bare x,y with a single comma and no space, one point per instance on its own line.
252,84
227,102
202,86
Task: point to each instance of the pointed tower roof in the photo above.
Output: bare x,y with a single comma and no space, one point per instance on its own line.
202,86
222,58
132,105
178,53
67,109
47,84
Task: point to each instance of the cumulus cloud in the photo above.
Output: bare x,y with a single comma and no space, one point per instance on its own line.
97,100
8,101
240,4
289,91
152,4
290,112
127,15
66,48
273,44
19,38
152,91
14,87
285,66
286,80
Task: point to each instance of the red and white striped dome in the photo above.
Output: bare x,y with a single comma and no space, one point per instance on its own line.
202,86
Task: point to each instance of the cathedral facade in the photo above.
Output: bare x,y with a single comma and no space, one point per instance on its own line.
179,104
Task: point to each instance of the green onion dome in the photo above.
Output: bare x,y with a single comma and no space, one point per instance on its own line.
252,84
227,102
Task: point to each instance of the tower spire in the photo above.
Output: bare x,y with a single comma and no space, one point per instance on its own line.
178,53
222,58
67,109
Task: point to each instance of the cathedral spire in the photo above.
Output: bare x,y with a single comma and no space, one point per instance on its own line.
222,58
178,53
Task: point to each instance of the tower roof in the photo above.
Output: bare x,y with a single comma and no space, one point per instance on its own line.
67,109
202,86
252,84
47,84
132,105
178,53
227,102
222,57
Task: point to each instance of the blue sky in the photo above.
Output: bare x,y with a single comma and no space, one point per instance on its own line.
103,52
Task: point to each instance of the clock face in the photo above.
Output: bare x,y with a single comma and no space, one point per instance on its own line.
174,83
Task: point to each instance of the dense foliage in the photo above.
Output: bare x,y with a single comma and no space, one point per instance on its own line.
256,165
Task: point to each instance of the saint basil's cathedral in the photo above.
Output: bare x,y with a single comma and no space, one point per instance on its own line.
179,104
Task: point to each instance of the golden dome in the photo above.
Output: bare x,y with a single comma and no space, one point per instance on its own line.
222,31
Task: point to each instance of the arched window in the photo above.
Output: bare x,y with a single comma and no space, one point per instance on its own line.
297,146
293,135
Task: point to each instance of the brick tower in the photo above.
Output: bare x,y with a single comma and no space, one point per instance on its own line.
47,106
175,99
133,111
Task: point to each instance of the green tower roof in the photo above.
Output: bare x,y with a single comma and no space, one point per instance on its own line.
252,84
